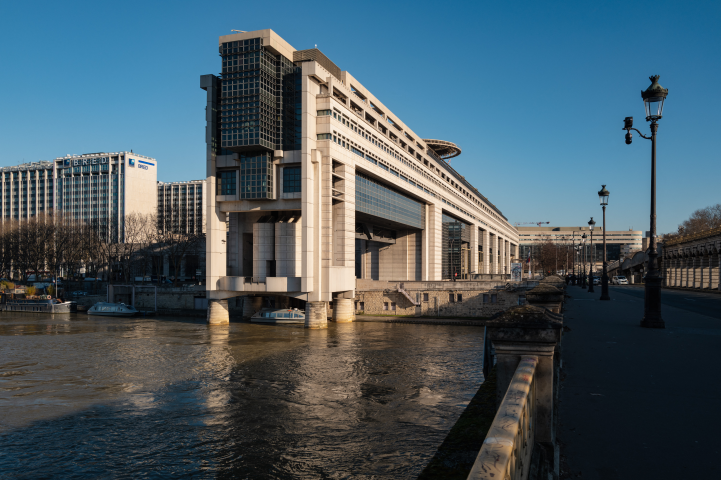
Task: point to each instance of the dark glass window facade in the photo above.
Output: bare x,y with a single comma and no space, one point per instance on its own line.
226,183
455,254
291,179
256,175
260,98
376,199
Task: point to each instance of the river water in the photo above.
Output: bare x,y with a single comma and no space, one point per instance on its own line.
89,397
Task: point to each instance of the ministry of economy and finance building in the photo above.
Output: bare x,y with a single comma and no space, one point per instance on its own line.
323,187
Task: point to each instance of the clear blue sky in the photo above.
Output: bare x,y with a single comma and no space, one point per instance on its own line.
534,92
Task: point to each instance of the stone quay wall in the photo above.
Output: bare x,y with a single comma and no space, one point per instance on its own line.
441,299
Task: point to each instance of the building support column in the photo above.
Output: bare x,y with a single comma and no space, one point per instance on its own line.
473,246
343,311
486,251
501,255
514,255
316,315
218,312
494,254
435,243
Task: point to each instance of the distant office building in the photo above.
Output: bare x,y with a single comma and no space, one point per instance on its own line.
618,243
96,188
180,206
101,188
26,190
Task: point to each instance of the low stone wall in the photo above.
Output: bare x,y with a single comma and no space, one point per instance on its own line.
448,302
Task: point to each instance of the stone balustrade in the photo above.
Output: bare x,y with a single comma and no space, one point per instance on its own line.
526,340
506,451
546,295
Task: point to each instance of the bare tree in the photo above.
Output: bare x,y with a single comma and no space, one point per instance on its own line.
700,220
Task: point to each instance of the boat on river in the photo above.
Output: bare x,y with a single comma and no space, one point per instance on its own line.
112,310
42,304
279,315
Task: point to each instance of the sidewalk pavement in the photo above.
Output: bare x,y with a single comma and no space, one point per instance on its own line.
638,403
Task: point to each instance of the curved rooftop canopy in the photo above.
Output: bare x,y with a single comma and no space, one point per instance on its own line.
443,149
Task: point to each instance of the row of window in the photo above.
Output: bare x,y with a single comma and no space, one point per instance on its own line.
351,124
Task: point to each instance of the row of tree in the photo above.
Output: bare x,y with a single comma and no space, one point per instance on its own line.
53,243
550,257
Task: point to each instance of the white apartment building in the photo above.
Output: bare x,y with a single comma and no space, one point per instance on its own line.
96,188
322,184
180,206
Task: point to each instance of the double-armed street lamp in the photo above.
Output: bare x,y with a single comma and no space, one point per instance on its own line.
653,99
603,197
591,224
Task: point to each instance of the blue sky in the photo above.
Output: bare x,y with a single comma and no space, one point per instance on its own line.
533,92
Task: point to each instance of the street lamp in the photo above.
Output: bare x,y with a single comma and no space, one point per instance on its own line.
653,100
577,263
591,224
603,197
583,261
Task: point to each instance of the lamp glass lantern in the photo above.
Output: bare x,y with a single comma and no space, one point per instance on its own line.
653,99
603,195
591,224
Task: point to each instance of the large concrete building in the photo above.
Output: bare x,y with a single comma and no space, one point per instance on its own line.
322,184
96,188
619,243
180,206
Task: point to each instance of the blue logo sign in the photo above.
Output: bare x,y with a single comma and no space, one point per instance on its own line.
131,162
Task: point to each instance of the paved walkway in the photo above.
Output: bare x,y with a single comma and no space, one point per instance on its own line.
639,403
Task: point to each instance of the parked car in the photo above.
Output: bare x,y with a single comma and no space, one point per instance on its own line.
597,280
619,280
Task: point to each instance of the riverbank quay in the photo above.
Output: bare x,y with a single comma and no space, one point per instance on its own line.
637,402
468,322
509,428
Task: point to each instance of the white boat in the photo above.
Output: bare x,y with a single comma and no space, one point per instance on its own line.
279,315
41,304
112,310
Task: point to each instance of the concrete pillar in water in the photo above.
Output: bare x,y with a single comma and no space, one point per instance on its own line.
315,315
251,305
218,312
343,310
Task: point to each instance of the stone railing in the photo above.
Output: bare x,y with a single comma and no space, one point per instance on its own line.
506,452
526,342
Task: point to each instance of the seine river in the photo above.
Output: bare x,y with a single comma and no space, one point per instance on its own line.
89,397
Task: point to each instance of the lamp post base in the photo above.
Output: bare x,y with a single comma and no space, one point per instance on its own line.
659,323
652,302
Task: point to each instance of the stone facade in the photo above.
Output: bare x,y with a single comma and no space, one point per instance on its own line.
692,261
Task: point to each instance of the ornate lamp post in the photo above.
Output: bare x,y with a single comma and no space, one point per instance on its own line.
591,224
583,261
603,197
653,99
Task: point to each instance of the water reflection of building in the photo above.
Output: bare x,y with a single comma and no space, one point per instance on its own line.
321,184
